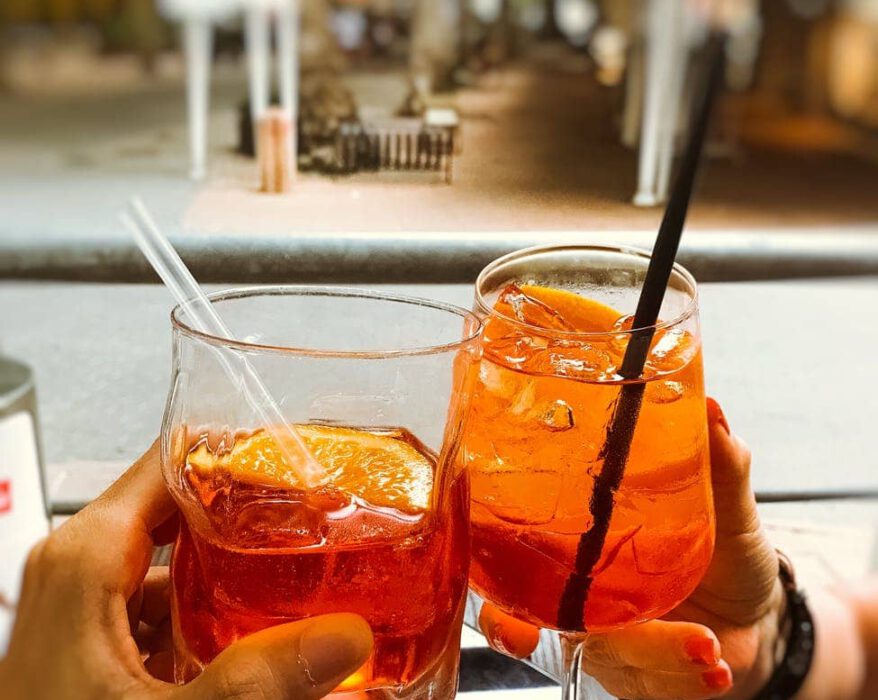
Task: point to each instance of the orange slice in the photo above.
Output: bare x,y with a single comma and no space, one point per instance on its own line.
584,314
380,469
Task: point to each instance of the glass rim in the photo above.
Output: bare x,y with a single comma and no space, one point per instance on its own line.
298,290
481,303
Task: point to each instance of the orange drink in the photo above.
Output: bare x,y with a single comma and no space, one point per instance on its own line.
275,552
547,389
385,532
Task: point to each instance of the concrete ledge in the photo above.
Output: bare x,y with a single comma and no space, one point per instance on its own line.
433,257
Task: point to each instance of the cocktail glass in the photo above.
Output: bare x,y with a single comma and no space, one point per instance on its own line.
549,548
376,385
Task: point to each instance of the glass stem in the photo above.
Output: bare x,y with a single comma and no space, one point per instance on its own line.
571,656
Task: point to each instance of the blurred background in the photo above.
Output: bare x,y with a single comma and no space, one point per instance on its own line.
565,113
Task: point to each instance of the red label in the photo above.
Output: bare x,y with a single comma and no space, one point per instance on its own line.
5,496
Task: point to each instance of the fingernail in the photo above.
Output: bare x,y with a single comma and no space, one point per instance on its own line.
718,678
702,650
334,647
715,415
506,634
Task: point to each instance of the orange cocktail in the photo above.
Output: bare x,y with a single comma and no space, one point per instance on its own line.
385,531
547,388
364,544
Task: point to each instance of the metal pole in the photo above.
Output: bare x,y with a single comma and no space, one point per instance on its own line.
197,43
287,33
256,35
660,49
679,44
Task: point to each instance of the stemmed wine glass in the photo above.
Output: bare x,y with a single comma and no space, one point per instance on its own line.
554,543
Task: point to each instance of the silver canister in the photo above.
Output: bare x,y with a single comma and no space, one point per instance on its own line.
24,506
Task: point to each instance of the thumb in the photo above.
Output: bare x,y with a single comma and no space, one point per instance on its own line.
303,660
743,572
733,497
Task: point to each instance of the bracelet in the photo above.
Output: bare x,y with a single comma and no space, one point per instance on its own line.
798,630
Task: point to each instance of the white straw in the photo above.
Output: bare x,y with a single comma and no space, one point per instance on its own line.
176,276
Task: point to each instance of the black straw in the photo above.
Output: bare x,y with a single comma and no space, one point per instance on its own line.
614,454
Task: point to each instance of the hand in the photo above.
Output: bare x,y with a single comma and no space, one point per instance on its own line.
720,640
93,617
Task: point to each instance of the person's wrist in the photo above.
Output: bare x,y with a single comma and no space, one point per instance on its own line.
771,645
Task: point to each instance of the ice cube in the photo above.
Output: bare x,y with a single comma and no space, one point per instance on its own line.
328,499
524,400
667,342
557,416
491,377
525,495
513,350
613,546
663,391
278,522
579,360
531,311
671,350
516,390
619,341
